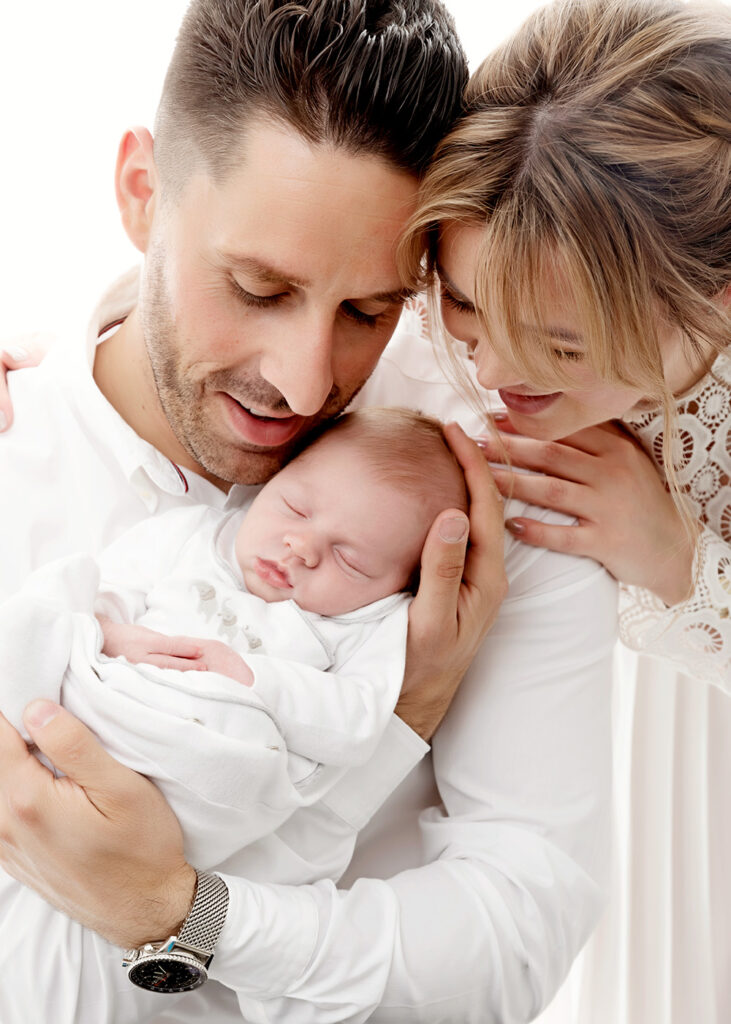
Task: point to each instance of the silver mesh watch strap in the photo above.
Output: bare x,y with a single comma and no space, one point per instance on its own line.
206,916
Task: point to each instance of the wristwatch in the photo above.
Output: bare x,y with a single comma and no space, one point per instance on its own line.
180,963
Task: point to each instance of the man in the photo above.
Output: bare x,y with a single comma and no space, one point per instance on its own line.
287,149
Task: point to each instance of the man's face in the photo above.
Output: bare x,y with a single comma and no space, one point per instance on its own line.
268,299
328,533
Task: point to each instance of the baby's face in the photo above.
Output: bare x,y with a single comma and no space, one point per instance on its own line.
327,533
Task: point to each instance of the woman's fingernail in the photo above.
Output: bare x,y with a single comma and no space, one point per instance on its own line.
18,353
454,530
3,421
483,442
40,713
499,417
515,526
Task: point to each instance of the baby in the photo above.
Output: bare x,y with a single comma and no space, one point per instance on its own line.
302,597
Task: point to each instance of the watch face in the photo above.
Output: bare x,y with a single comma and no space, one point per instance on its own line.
167,974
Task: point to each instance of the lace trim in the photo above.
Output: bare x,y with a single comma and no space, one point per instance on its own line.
697,633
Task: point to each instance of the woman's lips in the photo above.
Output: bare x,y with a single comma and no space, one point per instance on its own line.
528,404
264,432
270,573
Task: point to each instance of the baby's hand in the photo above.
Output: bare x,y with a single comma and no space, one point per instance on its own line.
218,657
139,644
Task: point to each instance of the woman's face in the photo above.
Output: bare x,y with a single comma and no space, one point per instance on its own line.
532,411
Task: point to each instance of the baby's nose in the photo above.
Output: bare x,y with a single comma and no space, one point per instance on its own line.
303,546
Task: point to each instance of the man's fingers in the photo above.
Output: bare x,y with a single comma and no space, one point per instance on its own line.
13,749
14,358
74,750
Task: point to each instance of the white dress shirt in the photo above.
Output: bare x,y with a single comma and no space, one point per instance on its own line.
495,885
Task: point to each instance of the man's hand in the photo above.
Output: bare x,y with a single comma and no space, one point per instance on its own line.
13,358
459,595
100,843
626,518
187,654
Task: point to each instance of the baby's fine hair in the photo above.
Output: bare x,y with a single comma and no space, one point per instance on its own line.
407,450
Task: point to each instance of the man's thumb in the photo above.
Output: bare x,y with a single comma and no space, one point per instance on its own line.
68,745
442,560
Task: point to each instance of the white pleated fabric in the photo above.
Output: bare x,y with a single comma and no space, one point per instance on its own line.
662,953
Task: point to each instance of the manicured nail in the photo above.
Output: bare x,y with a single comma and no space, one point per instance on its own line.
482,442
40,713
3,421
454,530
499,417
18,353
515,526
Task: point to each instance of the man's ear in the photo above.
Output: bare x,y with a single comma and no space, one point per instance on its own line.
137,185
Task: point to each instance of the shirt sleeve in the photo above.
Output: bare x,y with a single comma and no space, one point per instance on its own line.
516,855
337,717
696,634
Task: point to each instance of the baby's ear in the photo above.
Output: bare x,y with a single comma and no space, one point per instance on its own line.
137,185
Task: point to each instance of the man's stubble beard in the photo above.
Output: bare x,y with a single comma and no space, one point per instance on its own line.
182,398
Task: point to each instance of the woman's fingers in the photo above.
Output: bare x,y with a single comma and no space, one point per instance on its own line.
570,540
557,458
547,492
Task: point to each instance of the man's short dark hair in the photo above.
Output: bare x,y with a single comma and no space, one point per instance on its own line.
383,77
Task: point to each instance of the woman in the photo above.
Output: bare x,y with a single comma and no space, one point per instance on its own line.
579,220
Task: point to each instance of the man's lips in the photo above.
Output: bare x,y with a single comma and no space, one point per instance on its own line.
528,404
262,431
271,573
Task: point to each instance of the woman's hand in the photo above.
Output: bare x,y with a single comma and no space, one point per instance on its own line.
187,654
100,843
13,358
626,518
459,595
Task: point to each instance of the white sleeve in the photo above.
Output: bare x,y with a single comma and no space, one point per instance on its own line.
140,557
519,850
695,634
337,717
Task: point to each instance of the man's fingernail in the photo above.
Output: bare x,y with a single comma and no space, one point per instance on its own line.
40,713
454,530
18,353
515,527
3,421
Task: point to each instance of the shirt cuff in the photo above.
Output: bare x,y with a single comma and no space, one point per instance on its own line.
363,789
267,939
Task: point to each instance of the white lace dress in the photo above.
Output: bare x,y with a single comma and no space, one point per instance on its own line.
662,954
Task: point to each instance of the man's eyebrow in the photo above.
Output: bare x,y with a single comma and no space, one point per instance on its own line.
267,273
399,296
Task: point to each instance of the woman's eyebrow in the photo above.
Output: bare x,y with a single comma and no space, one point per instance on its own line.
458,294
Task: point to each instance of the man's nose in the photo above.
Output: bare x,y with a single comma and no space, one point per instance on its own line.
302,545
298,362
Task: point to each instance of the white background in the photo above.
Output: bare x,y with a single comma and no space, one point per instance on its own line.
73,76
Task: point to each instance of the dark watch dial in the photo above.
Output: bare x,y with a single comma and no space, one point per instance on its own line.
167,974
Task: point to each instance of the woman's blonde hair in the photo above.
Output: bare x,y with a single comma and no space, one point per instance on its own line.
596,142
